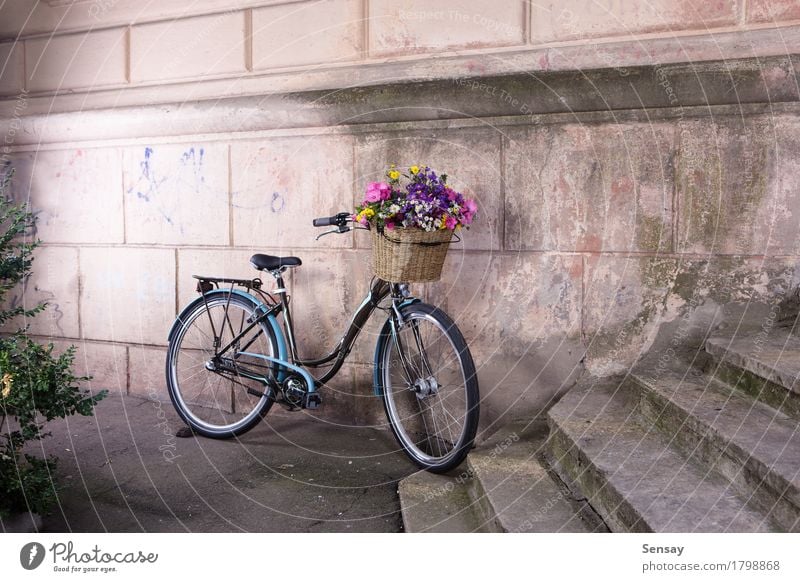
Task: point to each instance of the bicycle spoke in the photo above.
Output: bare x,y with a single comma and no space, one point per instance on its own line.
426,390
208,397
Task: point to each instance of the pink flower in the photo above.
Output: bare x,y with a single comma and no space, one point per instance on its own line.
451,194
390,226
470,208
363,221
377,191
450,222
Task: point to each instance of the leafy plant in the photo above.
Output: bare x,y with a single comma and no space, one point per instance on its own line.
36,385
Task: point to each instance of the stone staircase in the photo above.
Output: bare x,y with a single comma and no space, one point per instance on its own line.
704,442
505,486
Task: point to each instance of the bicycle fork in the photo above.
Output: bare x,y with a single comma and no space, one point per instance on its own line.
419,380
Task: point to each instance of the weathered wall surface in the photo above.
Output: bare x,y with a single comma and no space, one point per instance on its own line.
630,180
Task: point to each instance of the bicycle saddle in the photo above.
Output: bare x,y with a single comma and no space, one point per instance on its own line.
270,263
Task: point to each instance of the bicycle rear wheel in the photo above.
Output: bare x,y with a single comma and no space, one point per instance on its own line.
429,386
219,401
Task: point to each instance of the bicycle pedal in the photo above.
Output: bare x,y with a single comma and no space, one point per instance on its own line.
312,401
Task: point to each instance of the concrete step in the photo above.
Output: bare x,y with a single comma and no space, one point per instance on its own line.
756,447
438,503
631,475
764,365
516,492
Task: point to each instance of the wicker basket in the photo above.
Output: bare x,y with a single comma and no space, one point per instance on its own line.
406,255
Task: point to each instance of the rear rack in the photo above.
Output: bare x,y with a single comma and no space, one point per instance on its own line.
206,284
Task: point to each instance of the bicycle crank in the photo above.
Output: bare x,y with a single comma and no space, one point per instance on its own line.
296,395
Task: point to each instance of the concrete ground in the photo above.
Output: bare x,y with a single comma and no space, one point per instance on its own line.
124,471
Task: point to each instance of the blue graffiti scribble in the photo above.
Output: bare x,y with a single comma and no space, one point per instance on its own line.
160,190
148,184
195,159
278,202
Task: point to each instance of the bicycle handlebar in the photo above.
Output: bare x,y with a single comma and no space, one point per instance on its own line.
339,220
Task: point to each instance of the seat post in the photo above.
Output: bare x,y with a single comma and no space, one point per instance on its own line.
288,326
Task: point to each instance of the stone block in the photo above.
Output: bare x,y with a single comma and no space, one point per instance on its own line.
777,216
54,281
737,186
305,33
520,315
127,294
470,158
511,303
589,188
280,185
42,17
85,60
147,377
553,21
177,194
522,387
218,263
204,46
772,10
75,194
419,26
107,364
11,65
326,291
636,304
624,303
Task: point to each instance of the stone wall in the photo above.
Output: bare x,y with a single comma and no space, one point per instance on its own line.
635,171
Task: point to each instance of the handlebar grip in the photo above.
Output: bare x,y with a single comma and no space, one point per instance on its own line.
325,221
339,220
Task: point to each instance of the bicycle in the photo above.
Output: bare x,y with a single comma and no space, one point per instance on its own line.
229,360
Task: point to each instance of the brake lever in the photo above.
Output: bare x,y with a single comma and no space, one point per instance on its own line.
334,231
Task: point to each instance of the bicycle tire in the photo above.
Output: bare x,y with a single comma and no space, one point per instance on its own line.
203,400
409,397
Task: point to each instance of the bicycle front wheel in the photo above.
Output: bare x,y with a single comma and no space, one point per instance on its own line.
215,396
429,386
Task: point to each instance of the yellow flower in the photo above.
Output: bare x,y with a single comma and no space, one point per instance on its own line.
394,175
414,170
6,382
368,212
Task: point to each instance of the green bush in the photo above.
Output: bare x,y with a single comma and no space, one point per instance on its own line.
36,385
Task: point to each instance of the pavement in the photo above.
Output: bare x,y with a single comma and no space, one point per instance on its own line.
123,470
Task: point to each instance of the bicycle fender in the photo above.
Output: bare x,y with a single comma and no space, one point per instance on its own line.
283,353
385,332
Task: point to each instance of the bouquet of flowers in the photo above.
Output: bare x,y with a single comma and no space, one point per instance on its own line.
425,202
412,218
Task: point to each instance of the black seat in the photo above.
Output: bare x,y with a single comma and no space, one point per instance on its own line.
270,263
